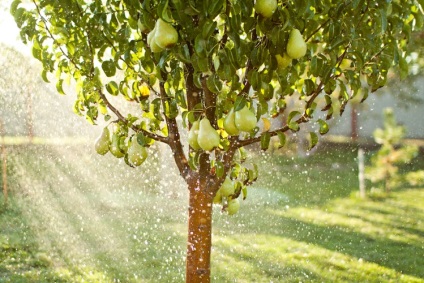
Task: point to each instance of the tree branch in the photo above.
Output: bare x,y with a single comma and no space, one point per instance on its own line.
192,92
210,103
174,140
52,37
302,119
227,161
124,120
249,67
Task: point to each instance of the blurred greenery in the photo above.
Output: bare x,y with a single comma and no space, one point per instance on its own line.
393,152
78,217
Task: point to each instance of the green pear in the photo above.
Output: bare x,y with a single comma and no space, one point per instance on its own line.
207,138
193,135
227,188
154,47
218,197
283,61
136,152
245,120
296,46
266,7
114,146
233,206
150,36
345,64
230,124
151,41
103,142
166,35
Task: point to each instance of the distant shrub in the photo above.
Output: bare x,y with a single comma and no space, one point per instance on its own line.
392,153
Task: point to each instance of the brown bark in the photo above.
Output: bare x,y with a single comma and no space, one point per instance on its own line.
199,233
202,187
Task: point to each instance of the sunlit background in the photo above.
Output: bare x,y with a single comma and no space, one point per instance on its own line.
75,216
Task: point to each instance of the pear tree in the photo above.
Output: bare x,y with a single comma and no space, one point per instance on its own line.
214,68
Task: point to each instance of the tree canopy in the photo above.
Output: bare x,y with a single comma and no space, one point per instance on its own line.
226,56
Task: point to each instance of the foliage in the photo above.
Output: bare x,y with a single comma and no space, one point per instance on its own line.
392,153
415,178
225,57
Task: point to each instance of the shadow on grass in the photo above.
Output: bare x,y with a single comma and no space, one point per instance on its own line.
384,252
346,229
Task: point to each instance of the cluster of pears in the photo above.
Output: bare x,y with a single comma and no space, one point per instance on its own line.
226,192
296,49
296,46
203,136
163,36
136,153
243,120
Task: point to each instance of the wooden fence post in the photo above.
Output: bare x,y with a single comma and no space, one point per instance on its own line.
361,174
4,164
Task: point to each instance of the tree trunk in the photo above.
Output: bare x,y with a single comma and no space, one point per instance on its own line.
199,232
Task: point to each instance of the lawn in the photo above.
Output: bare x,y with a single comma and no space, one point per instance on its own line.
78,217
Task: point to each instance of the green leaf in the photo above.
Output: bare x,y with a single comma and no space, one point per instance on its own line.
328,102
171,109
291,116
200,45
44,76
203,64
197,79
14,6
403,66
282,139
294,126
156,109
19,17
208,28
239,103
308,87
112,88
59,86
109,68
219,169
329,113
265,140
163,11
213,83
365,92
323,127
215,7
141,139
244,192
313,140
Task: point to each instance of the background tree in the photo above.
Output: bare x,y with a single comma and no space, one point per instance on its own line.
392,153
215,67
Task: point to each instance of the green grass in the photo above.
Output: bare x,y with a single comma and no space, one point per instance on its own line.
78,217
